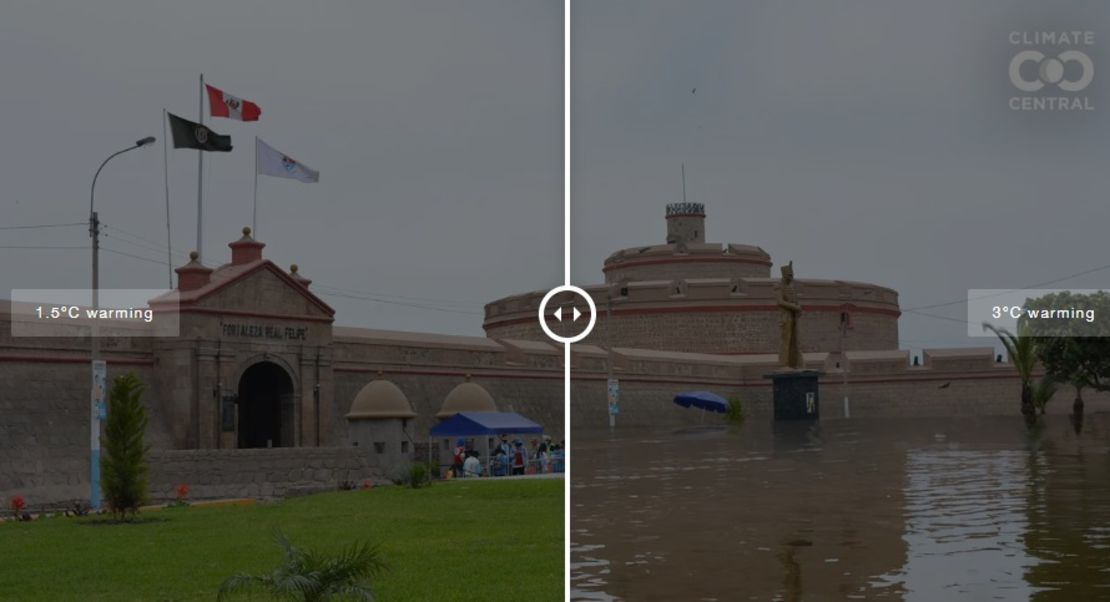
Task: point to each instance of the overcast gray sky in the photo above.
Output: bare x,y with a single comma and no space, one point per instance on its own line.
864,140
436,126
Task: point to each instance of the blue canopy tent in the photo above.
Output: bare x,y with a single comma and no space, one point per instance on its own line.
473,424
704,400
484,425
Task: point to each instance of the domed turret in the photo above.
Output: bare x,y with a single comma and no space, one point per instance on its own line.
380,399
380,423
467,397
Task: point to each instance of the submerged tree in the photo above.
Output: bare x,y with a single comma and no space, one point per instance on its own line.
311,576
1022,351
124,472
1043,393
1080,362
1076,349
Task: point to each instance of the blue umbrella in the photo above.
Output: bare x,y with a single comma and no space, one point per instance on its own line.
703,400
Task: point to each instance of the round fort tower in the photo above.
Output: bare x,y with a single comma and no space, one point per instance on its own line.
693,296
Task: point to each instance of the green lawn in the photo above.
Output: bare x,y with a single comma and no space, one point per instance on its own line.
487,540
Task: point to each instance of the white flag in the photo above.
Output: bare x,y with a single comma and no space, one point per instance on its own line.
270,162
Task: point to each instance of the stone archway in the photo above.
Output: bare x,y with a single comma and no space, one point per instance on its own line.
266,407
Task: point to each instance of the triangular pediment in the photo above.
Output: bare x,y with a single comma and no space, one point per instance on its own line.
262,289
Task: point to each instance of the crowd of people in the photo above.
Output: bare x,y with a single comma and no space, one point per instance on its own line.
509,458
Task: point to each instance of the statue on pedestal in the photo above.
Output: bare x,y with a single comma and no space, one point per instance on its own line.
790,354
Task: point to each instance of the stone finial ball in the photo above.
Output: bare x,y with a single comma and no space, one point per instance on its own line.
193,255
246,230
293,268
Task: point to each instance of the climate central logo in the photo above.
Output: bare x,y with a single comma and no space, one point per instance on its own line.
1054,72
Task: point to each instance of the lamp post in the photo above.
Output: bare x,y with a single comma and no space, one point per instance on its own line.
612,385
98,366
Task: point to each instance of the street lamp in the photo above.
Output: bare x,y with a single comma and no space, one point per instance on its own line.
95,396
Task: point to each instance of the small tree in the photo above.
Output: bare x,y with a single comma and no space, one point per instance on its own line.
124,472
312,576
735,412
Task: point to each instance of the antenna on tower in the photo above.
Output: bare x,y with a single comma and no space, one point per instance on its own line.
683,181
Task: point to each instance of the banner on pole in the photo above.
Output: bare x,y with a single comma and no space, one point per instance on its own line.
614,397
100,388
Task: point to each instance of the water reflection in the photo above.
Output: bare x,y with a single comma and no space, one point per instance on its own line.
1069,530
965,515
968,509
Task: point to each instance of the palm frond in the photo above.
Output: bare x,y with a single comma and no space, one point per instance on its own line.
310,575
239,583
1020,348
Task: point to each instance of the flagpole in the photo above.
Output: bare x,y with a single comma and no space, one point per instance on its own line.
166,175
200,177
254,213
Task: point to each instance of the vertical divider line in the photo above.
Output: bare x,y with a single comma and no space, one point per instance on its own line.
566,281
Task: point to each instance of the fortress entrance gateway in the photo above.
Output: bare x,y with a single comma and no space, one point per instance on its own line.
266,407
252,365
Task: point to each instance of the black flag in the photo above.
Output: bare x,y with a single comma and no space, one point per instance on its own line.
189,134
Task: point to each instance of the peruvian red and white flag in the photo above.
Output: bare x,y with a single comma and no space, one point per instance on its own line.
222,104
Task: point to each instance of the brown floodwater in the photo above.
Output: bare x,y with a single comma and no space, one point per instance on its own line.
860,509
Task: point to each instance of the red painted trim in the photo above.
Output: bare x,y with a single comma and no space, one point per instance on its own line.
688,259
71,359
251,314
694,309
455,373
830,381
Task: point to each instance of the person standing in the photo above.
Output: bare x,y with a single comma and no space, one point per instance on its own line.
520,457
459,457
557,458
472,467
542,456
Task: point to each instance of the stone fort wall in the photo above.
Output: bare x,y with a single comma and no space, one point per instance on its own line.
44,401
258,473
956,382
521,376
44,406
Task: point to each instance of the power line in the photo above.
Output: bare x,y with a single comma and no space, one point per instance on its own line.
323,290
158,245
39,226
1028,286
440,305
397,297
140,245
401,303
410,301
45,247
125,254
925,315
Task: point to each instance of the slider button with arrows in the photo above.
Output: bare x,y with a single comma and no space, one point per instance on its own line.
559,314
568,311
